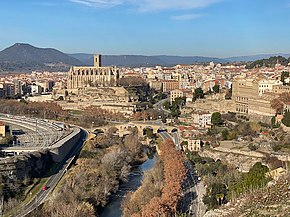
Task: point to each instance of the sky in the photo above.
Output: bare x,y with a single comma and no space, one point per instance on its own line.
215,28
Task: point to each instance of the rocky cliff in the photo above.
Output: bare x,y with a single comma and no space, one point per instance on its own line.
32,164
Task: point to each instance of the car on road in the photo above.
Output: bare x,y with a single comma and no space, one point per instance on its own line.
44,188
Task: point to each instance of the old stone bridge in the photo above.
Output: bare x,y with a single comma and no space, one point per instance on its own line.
124,128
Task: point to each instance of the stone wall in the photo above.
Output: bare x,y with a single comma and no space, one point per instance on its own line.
214,105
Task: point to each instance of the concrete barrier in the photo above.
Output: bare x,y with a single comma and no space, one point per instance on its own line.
61,148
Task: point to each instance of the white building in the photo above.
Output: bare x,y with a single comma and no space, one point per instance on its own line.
267,85
202,119
35,89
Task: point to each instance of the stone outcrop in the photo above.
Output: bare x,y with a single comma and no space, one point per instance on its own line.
242,161
32,164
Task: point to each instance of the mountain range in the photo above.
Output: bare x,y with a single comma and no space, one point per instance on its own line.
22,57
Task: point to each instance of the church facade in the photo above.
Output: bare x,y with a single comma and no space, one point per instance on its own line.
92,76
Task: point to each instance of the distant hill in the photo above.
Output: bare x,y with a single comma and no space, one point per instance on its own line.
254,57
141,60
270,62
165,60
25,57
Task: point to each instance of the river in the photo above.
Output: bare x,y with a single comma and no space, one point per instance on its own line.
113,208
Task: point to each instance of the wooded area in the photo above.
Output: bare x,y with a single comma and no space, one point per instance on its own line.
160,197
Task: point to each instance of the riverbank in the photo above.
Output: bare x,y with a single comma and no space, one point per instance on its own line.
161,190
113,208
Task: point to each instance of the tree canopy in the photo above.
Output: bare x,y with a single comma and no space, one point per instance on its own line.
286,119
198,93
270,62
216,118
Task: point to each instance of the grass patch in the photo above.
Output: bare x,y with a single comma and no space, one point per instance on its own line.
35,189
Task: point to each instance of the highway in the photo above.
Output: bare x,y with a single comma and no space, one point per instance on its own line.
37,132
54,179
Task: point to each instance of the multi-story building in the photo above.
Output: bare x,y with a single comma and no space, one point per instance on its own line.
267,85
202,119
261,105
170,85
17,87
157,85
45,85
187,93
193,144
281,89
252,96
175,94
9,89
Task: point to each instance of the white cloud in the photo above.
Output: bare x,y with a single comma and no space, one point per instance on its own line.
150,5
159,5
187,16
99,3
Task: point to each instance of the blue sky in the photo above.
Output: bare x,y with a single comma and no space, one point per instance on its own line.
220,28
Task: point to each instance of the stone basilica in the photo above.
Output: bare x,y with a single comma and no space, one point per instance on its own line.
92,76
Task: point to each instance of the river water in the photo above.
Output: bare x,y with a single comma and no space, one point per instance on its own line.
113,208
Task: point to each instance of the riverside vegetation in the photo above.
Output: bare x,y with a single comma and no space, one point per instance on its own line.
161,191
103,164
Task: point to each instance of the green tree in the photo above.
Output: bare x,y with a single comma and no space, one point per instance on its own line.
149,133
286,119
225,134
252,147
216,195
284,75
176,105
216,88
166,105
216,118
184,144
274,123
198,93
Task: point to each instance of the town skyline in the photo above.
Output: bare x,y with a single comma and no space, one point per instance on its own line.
214,28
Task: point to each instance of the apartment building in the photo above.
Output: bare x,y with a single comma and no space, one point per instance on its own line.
202,119
267,85
278,89
169,85
194,144
187,93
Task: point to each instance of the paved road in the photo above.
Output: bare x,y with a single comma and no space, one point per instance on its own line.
189,201
164,135
159,106
176,140
54,179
